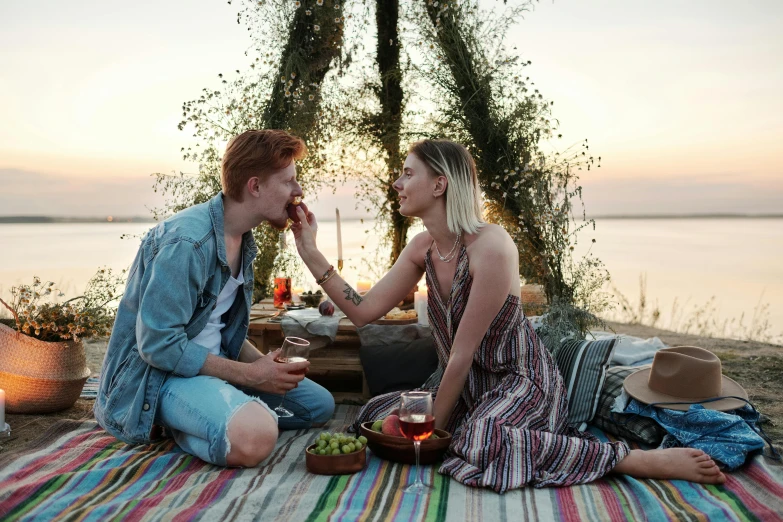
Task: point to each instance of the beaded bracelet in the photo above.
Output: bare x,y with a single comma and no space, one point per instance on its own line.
331,275
327,275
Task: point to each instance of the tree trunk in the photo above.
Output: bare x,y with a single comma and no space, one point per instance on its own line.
493,149
309,55
391,97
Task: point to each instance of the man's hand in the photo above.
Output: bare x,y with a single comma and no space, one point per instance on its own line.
266,375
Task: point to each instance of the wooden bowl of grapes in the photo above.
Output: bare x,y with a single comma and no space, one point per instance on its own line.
399,449
344,458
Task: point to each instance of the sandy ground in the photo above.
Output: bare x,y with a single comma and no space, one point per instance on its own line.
756,366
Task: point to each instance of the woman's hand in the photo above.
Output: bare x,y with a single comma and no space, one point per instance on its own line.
305,232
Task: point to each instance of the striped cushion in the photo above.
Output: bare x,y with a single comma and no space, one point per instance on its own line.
631,427
549,340
583,366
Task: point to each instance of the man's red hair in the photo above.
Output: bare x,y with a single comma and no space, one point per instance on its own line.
257,153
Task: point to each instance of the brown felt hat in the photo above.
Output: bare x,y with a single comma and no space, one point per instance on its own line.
684,374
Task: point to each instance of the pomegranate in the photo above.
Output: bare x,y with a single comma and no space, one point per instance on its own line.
326,308
291,209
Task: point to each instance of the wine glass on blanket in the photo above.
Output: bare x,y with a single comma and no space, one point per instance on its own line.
416,423
294,349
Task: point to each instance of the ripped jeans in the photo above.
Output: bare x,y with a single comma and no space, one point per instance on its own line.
197,410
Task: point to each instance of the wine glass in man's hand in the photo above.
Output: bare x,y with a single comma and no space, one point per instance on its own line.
294,350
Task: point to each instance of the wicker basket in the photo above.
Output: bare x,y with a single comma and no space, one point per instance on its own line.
39,376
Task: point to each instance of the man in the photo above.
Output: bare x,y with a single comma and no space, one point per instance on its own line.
178,357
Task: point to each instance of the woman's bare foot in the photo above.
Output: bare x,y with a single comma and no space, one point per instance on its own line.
673,463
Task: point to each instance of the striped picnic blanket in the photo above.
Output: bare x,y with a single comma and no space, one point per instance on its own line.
79,472
90,388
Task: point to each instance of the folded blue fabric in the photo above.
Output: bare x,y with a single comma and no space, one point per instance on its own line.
726,436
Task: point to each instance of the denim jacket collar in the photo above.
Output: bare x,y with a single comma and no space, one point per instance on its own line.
217,215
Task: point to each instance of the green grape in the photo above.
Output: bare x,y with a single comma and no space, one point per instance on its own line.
359,446
433,436
346,449
352,445
363,439
325,436
322,451
336,451
321,444
376,426
334,445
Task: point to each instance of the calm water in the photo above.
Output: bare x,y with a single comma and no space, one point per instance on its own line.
736,261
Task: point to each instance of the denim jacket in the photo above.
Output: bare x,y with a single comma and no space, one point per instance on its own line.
172,288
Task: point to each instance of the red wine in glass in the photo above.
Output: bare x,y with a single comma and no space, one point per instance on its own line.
292,360
294,349
417,426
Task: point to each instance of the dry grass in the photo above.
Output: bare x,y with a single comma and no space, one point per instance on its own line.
699,319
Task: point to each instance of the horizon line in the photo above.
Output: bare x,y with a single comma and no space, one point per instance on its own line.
43,219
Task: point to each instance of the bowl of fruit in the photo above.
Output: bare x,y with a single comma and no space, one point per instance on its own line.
311,299
385,440
336,454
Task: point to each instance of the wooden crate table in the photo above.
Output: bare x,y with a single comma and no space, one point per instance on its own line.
334,359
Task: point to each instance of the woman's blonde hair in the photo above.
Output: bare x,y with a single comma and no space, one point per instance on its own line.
463,196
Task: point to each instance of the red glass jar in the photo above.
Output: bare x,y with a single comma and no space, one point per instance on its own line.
282,293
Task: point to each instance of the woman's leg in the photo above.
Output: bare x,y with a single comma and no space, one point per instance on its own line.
670,464
216,422
311,404
514,438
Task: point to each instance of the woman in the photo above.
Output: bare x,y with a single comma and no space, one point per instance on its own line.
501,395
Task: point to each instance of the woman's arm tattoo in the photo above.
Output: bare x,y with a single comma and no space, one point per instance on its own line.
352,295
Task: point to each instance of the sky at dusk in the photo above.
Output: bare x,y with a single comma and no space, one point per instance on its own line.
683,100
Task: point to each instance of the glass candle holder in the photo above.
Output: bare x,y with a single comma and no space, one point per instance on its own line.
282,292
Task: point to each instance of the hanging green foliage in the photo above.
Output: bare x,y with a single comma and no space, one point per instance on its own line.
294,48
487,103
435,70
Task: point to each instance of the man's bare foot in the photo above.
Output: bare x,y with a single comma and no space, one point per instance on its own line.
673,463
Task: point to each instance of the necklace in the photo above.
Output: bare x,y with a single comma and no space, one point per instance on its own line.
448,257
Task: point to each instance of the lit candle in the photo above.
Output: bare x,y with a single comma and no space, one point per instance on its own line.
363,286
295,293
420,305
339,242
2,410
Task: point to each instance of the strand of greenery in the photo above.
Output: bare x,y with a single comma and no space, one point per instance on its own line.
490,108
282,91
313,80
388,123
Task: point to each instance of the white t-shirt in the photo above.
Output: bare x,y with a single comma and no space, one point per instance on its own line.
210,335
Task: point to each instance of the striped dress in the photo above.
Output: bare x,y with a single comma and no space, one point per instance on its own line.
509,427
